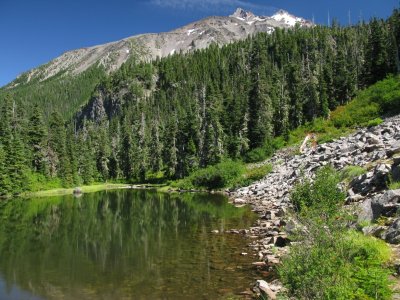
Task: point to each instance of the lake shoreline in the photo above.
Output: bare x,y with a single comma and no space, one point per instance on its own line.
84,189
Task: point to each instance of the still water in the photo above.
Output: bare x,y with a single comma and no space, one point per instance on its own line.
126,244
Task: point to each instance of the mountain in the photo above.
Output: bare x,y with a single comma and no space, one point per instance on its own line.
197,35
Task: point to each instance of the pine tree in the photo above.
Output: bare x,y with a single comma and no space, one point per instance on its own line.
16,165
57,145
37,141
170,149
260,104
5,182
377,60
155,149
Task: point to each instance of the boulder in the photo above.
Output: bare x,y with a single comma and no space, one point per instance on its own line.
385,204
281,241
372,181
394,149
374,230
392,235
381,175
265,288
239,201
366,211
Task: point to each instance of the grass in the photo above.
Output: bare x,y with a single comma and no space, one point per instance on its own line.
85,189
351,172
394,185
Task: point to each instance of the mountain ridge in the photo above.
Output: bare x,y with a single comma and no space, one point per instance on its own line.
148,46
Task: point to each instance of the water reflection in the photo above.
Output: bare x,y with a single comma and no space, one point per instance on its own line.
122,245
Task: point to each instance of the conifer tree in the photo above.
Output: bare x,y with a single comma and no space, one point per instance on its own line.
37,141
260,106
57,144
5,182
155,149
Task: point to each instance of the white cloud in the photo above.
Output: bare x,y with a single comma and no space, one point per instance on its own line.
214,5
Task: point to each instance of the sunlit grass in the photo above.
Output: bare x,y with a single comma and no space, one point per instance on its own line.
85,189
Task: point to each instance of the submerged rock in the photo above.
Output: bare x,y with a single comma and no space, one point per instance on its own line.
77,191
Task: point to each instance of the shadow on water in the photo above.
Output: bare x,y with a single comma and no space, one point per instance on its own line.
122,245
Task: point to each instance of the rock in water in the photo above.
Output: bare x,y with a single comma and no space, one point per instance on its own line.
77,191
264,286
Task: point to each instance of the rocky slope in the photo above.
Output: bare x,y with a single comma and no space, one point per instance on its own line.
197,35
377,149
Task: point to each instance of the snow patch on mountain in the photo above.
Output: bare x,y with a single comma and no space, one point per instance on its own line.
284,16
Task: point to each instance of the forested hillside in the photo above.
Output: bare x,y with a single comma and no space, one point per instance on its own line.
175,115
62,93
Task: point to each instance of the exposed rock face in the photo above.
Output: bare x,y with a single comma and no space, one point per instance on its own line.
197,35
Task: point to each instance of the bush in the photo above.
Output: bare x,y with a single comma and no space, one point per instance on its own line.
322,197
267,150
336,264
256,155
262,153
221,175
253,174
374,122
329,261
38,182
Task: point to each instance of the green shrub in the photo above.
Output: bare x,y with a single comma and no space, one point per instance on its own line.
332,263
258,173
321,197
38,182
253,174
267,150
255,155
262,153
374,122
329,261
221,175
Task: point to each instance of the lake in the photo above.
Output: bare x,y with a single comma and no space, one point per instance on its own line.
124,244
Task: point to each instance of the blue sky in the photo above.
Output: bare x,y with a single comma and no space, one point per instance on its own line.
32,32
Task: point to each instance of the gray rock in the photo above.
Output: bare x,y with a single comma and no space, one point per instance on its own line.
394,149
239,201
392,235
375,230
385,204
265,288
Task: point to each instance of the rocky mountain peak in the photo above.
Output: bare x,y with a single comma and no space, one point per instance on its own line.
198,35
281,12
242,14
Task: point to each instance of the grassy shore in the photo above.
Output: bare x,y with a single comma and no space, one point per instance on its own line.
85,189
95,188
